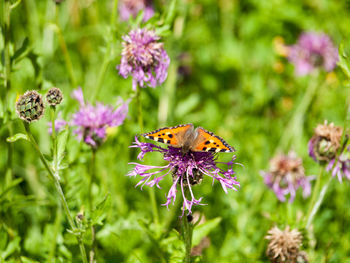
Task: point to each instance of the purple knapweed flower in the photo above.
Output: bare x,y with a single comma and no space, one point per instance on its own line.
144,58
312,51
91,121
185,170
286,175
325,142
325,147
130,8
340,167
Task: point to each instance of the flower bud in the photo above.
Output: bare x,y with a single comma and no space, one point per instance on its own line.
30,106
54,96
324,144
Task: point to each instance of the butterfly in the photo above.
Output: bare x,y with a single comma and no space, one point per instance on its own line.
189,139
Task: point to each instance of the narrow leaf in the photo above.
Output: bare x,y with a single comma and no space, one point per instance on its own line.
203,230
17,136
344,62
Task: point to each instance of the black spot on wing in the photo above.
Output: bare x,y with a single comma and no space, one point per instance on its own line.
224,150
231,149
204,148
160,140
170,135
150,137
207,142
212,150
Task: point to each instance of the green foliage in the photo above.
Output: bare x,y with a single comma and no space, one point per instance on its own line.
225,75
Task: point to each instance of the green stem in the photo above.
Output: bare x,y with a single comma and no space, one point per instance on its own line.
187,232
139,108
296,122
151,192
54,137
6,7
56,230
91,204
66,55
107,56
59,190
315,192
318,203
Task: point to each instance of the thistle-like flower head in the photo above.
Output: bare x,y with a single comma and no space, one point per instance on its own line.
91,121
286,175
284,245
313,51
144,58
185,171
30,106
54,96
324,144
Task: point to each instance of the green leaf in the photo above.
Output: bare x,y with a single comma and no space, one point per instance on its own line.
99,213
12,185
16,137
28,260
201,231
21,52
61,144
344,61
171,13
12,247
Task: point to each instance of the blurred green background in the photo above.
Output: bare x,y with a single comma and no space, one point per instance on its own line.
225,75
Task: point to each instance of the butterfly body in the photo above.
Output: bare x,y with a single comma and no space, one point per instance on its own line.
189,139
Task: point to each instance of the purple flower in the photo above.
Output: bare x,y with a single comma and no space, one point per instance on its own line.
286,175
130,8
340,166
325,142
59,125
144,58
312,51
186,170
91,121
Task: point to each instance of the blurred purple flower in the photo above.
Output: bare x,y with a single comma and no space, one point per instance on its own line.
325,142
59,125
144,59
340,167
130,8
91,121
186,170
286,175
312,51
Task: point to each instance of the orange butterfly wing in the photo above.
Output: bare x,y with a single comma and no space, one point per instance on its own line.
169,135
207,141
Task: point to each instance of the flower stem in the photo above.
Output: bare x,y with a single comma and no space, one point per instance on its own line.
53,135
187,232
316,201
59,191
91,201
107,57
294,125
6,7
139,108
66,55
151,192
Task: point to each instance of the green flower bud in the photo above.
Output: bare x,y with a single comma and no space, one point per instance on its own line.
30,106
54,96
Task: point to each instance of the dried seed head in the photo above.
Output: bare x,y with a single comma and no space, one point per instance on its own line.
324,144
283,245
54,96
30,106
